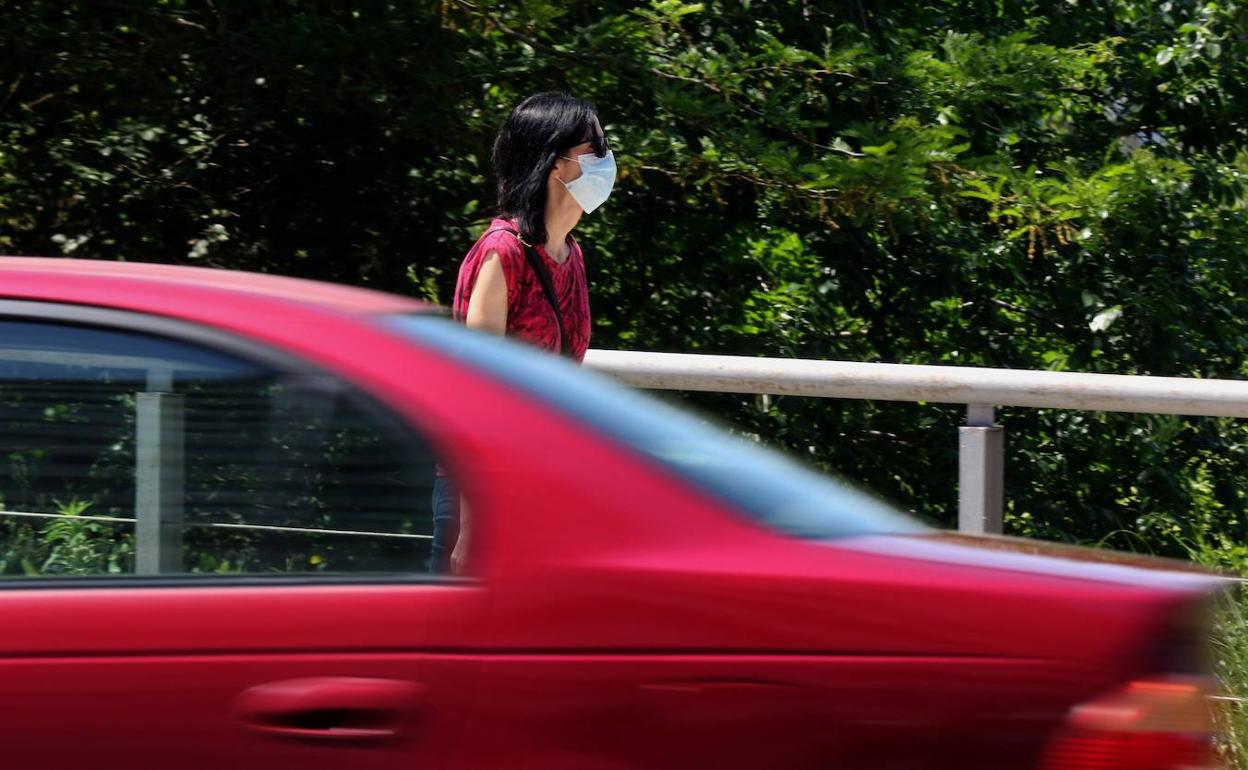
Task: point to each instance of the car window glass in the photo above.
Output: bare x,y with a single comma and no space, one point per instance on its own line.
760,483
125,453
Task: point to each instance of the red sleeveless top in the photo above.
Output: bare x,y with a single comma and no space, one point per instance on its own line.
529,314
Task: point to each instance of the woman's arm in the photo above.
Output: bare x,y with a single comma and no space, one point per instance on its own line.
487,310
487,305
459,554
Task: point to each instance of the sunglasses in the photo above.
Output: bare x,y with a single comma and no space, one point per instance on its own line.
598,143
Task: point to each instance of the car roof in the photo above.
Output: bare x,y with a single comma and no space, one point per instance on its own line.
348,299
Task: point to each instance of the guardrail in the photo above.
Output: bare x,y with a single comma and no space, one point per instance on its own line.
981,443
160,453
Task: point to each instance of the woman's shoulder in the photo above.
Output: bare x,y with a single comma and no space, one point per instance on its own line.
500,237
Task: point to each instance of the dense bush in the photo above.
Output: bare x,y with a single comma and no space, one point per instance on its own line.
1024,184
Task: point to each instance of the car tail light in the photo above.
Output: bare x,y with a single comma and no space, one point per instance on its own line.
1151,724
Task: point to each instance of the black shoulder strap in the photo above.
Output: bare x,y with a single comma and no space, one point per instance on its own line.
543,277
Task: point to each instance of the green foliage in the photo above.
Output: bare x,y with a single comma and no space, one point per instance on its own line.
1056,185
1230,650
67,545
967,182
1229,643
83,547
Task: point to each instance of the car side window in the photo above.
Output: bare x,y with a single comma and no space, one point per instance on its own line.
124,453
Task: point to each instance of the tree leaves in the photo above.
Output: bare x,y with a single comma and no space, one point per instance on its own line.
924,182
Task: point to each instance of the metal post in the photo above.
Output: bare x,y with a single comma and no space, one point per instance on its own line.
159,483
981,471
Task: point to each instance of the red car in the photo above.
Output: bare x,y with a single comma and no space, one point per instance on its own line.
216,530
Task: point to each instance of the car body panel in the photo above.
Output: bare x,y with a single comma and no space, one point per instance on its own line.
174,278
617,616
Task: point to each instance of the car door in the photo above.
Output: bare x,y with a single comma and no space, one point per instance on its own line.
212,556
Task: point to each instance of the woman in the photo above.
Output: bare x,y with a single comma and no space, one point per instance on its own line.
525,276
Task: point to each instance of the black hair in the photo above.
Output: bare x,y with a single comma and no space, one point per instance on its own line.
539,130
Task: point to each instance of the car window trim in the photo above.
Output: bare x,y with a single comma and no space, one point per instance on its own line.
208,580
283,363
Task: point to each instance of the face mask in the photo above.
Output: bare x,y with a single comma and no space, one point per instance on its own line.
592,188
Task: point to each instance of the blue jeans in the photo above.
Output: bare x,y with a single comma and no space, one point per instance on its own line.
445,524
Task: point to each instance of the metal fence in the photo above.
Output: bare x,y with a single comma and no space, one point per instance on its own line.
981,443
160,453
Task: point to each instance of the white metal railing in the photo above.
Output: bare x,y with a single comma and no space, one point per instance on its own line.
159,518
981,445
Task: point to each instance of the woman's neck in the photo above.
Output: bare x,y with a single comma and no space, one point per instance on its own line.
558,225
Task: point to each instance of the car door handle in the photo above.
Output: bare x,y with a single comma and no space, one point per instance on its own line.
329,708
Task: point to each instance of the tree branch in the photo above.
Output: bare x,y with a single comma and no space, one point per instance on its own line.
624,64
8,97
177,21
1027,311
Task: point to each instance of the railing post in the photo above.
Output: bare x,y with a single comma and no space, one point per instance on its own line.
981,471
159,483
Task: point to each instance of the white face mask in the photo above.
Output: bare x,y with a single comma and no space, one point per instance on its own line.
592,188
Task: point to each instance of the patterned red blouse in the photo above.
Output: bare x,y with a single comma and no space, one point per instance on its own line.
529,315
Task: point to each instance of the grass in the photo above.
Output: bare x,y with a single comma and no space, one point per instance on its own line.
1228,642
1230,655
1229,646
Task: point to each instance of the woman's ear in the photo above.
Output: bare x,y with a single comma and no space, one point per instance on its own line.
555,175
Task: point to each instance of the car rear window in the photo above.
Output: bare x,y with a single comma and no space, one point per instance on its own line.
770,488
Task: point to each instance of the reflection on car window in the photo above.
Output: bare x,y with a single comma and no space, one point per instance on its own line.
763,484
124,453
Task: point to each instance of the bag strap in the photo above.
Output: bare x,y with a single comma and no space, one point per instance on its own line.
543,277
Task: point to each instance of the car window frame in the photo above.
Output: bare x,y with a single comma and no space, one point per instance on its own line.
281,362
